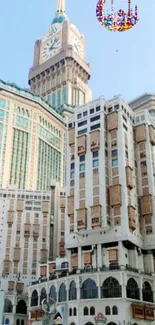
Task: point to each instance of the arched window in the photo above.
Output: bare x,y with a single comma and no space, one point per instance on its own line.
34,298
74,311
107,310
72,323
85,311
89,290
111,288
111,323
43,295
7,321
22,322
92,311
53,293
132,290
8,306
89,323
147,292
21,307
70,311
72,291
18,322
114,310
62,293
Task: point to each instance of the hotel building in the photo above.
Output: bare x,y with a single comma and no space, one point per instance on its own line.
109,220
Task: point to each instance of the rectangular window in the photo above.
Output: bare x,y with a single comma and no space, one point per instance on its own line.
95,163
82,158
93,127
125,127
2,103
82,123
126,154
116,107
65,95
95,118
79,116
97,108
1,114
115,162
72,175
110,109
82,131
59,97
91,110
70,125
114,153
82,167
72,166
95,154
84,113
53,99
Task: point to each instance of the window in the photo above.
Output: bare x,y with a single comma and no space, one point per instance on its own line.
125,127
96,126
82,131
107,310
70,125
53,293
116,107
1,114
7,321
82,158
95,163
92,311
34,298
147,292
89,289
62,293
74,312
72,175
2,103
21,307
126,154
114,153
72,166
85,311
97,108
132,290
91,110
82,123
43,295
8,308
111,288
95,118
84,113
18,322
115,162
82,167
70,311
22,322
114,310
72,291
79,116
95,154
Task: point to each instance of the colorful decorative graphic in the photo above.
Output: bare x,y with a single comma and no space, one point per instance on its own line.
118,21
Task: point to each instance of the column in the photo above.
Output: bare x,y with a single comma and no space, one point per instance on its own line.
121,256
79,258
99,256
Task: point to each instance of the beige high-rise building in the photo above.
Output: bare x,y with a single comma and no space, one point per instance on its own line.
109,220
32,140
60,72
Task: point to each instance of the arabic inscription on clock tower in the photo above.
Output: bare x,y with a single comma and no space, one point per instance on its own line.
60,72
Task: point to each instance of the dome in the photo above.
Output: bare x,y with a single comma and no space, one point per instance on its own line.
59,19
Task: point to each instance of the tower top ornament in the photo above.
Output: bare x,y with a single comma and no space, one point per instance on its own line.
60,7
116,21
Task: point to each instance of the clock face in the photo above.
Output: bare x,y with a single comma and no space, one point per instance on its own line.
76,43
51,47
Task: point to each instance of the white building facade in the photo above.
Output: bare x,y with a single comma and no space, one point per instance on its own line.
109,219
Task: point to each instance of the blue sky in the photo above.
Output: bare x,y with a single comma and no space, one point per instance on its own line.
130,71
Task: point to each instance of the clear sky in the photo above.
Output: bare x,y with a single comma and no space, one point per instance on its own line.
129,72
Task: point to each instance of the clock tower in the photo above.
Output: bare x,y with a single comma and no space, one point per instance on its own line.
60,72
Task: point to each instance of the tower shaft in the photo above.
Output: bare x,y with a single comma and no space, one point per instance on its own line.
60,6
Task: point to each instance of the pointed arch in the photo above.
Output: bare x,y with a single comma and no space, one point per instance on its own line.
111,288
107,310
147,292
114,310
92,310
72,291
132,290
43,295
21,307
8,307
89,289
85,311
53,293
74,311
62,293
34,298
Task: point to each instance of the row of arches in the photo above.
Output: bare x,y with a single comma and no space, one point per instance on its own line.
18,322
21,307
109,289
